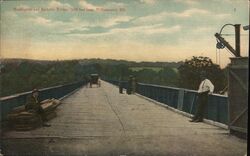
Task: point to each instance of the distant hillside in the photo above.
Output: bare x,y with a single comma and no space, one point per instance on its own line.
17,61
132,63
23,75
20,75
100,61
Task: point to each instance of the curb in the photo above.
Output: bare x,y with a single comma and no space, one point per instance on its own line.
207,121
67,95
210,122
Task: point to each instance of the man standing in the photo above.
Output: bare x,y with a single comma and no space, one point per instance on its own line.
33,105
133,85
206,87
129,87
120,86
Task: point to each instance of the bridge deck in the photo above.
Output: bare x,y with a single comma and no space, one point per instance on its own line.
100,121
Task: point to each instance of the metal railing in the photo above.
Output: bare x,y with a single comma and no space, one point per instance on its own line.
183,99
9,102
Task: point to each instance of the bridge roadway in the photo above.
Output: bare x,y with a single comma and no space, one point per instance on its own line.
100,121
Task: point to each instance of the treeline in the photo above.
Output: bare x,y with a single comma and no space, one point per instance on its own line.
167,76
25,75
189,73
19,75
131,63
182,74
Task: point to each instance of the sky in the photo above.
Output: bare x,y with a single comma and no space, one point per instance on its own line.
136,30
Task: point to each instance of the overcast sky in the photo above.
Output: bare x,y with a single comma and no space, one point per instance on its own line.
139,30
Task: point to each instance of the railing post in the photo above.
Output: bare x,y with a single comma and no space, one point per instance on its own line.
192,104
180,99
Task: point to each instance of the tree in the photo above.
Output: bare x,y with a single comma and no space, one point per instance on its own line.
168,76
189,73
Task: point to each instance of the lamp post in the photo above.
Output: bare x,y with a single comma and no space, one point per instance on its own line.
246,27
237,84
222,43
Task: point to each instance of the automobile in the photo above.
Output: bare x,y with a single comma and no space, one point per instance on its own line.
95,79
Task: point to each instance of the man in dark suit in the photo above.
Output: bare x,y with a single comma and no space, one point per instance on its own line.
33,105
206,87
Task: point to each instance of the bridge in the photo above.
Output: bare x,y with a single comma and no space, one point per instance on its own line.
100,121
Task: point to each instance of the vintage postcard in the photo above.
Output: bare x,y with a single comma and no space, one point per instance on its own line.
124,77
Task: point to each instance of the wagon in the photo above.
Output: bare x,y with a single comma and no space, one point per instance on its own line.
94,79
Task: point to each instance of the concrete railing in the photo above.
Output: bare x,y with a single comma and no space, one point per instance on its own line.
9,102
183,100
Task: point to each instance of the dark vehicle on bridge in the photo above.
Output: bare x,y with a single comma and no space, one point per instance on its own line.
95,79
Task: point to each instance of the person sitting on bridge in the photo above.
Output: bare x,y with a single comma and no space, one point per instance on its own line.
206,87
33,105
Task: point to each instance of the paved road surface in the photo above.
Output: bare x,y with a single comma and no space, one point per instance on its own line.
100,121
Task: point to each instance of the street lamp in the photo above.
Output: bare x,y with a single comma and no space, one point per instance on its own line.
219,44
222,43
246,27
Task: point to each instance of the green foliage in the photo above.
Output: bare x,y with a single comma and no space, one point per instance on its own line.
115,72
23,76
166,76
157,69
189,73
19,75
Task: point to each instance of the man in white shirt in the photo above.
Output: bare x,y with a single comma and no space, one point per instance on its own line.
206,87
